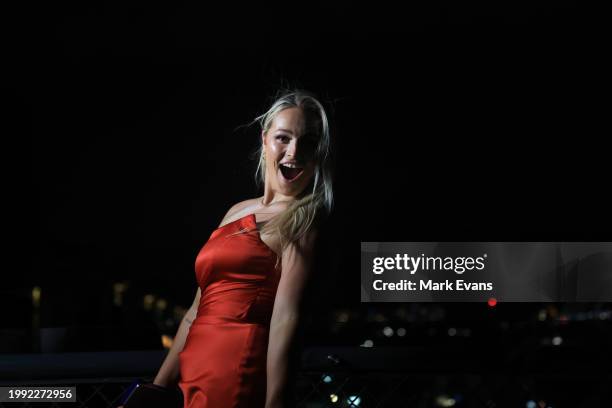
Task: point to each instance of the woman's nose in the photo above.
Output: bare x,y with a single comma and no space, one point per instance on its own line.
291,149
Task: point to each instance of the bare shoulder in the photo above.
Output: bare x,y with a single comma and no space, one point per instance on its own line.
305,245
238,210
308,241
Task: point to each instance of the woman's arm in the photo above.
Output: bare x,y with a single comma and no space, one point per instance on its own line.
296,265
168,374
169,371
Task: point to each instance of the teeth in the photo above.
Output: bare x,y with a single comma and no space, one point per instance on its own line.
291,166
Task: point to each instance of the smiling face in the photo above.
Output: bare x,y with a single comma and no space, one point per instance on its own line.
289,146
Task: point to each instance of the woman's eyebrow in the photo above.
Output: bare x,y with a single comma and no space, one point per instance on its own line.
284,130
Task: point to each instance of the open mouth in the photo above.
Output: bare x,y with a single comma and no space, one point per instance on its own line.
290,173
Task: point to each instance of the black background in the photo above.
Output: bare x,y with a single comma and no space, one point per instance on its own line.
451,121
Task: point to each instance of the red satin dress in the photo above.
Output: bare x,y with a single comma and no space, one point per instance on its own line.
223,362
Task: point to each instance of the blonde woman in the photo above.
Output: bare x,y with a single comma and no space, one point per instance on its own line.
232,347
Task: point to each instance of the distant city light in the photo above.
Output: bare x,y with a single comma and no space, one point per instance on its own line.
367,343
542,315
148,301
161,304
333,398
118,289
445,401
342,317
401,332
388,331
492,302
36,291
353,400
452,331
557,340
531,404
326,378
167,341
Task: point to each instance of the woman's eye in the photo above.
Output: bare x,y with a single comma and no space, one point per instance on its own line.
282,138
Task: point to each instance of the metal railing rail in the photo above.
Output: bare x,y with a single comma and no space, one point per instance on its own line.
349,376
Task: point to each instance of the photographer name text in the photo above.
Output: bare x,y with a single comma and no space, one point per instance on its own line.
411,265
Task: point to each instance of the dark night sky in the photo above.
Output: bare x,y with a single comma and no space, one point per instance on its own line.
473,123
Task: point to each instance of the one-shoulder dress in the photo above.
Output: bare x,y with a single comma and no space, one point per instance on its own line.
223,362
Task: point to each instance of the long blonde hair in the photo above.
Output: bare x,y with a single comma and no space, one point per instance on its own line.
298,218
